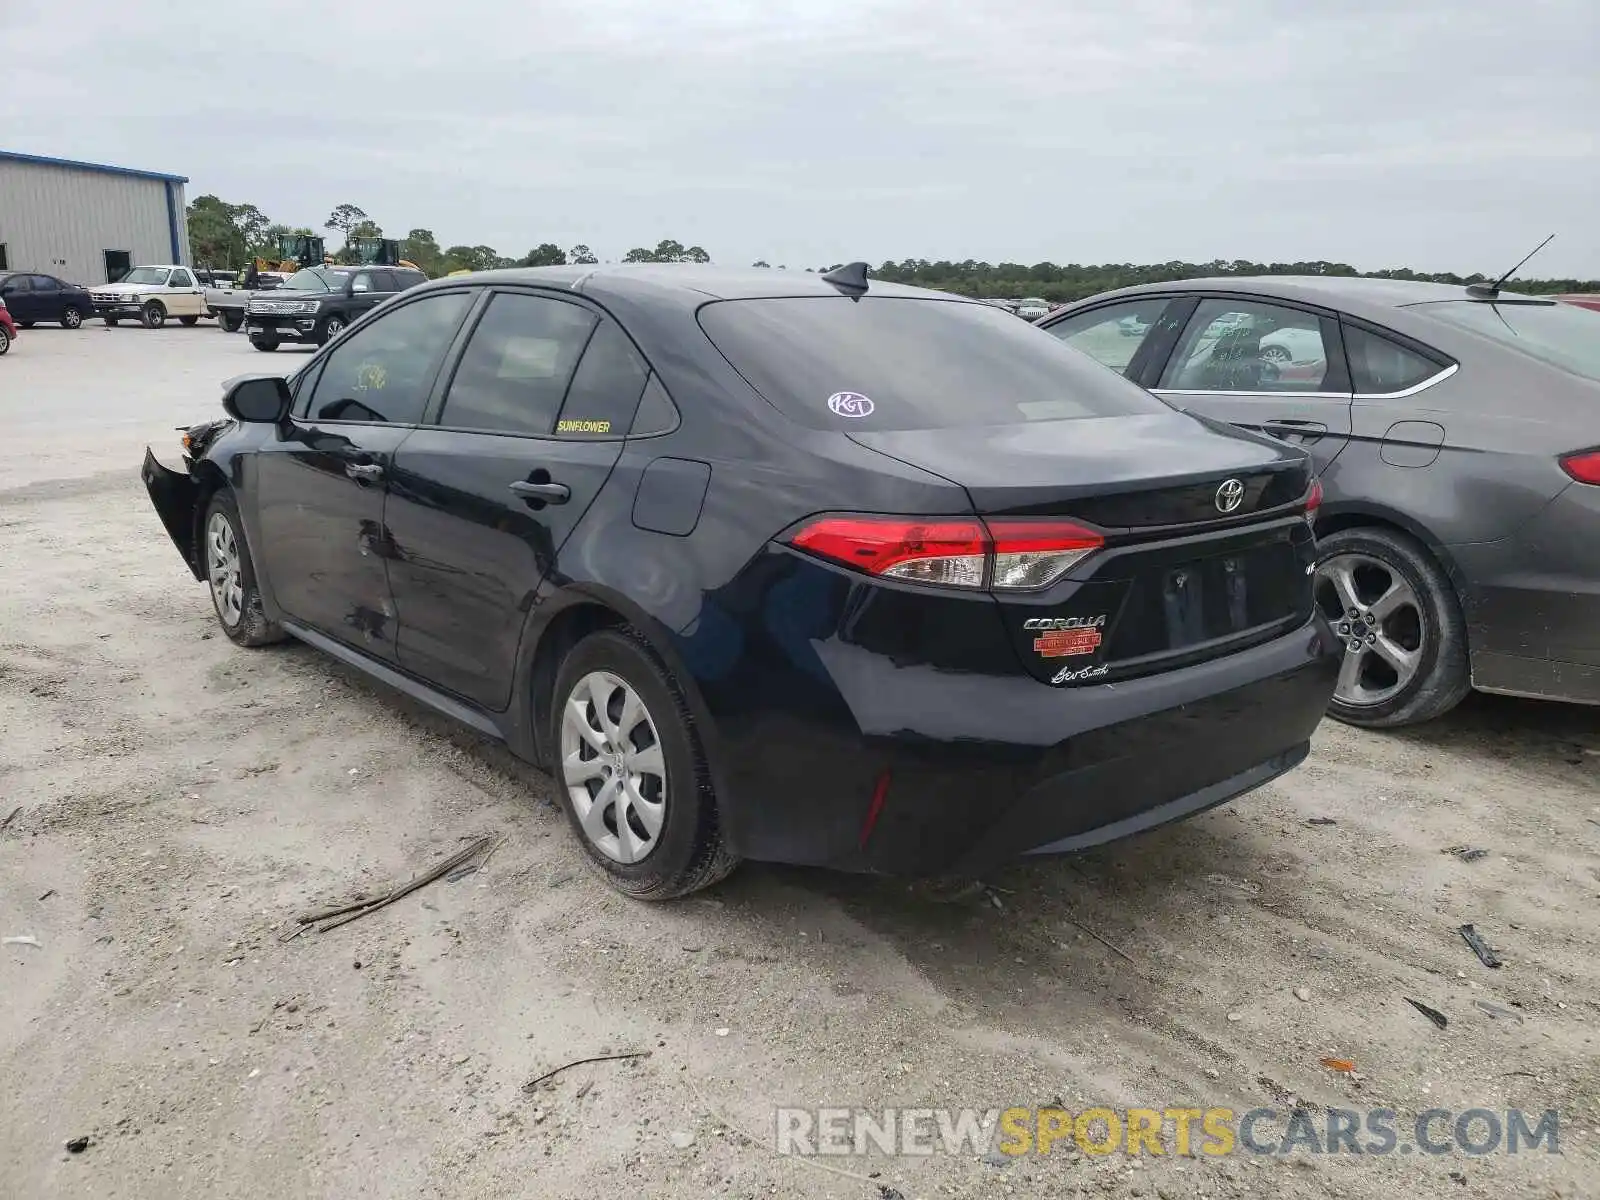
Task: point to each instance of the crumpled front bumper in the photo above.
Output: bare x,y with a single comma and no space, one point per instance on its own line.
174,495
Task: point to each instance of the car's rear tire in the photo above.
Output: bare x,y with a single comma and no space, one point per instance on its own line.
631,771
1398,617
5,341
25,324
267,344
231,576
71,318
154,315
189,321
229,322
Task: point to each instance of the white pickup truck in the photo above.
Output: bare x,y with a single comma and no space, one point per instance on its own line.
151,295
227,304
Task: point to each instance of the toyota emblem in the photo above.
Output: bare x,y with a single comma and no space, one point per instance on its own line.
1230,495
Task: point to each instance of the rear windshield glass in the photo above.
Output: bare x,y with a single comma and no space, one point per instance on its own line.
899,363
1562,335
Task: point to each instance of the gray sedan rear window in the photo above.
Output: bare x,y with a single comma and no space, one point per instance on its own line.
901,363
1562,335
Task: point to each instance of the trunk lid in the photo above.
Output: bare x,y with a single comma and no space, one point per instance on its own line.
1179,579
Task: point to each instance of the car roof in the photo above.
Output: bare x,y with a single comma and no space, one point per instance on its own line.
1337,291
689,284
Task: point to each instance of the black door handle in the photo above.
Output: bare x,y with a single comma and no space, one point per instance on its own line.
550,493
364,472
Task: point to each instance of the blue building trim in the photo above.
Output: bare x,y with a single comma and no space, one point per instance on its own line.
172,221
102,168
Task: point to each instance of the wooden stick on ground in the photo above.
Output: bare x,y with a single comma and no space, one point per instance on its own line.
1109,946
578,1062
352,912
6,824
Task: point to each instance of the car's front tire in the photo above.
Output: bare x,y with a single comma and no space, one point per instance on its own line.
330,329
631,772
5,341
189,321
1397,616
71,319
154,315
231,575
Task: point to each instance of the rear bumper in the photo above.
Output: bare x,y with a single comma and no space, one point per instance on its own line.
1533,604
983,770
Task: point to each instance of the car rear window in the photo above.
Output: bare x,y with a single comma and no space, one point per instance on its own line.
900,363
1562,335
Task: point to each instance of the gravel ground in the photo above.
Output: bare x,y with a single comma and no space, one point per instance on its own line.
182,799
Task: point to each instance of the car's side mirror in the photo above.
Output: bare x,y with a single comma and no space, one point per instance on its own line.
357,288
261,399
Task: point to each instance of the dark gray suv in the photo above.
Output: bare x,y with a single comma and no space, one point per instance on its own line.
1456,435
315,305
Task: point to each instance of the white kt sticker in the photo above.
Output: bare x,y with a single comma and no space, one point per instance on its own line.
850,404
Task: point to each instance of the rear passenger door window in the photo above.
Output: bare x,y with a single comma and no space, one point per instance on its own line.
1380,366
1250,346
383,372
606,387
1112,334
513,375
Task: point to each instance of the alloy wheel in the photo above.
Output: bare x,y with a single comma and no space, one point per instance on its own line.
1274,354
72,318
224,570
613,768
1379,619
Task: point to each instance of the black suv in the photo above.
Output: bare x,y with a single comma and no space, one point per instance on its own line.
315,304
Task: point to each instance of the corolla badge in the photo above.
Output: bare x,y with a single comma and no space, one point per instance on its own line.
850,404
1230,495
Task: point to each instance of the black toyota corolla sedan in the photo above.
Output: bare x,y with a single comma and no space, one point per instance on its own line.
775,566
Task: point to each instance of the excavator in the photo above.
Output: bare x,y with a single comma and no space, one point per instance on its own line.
294,251
379,252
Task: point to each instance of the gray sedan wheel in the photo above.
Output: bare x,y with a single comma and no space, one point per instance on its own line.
225,559
1399,623
613,768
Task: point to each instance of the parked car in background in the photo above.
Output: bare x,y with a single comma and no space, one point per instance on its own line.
8,330
775,565
1032,308
150,295
32,298
1455,433
316,304
1583,300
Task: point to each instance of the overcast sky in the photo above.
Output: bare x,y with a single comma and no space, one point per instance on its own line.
1436,134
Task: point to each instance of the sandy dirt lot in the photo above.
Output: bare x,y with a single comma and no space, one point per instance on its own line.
181,800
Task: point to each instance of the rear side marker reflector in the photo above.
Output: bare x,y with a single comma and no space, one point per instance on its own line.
1313,499
880,793
1584,466
1005,554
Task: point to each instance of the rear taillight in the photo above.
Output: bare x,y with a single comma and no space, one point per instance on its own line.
1313,499
1009,555
1583,466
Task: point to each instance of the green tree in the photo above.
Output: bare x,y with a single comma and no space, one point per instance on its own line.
667,251
473,258
422,248
546,254
344,218
213,236
581,255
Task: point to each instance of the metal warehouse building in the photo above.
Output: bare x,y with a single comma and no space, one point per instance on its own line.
85,222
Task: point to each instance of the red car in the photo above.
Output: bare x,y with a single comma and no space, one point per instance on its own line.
1591,300
8,329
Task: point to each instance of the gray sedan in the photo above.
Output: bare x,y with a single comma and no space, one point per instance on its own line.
1458,442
